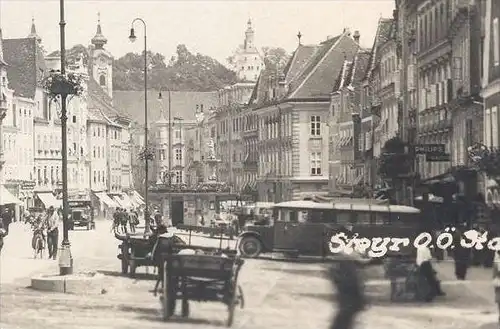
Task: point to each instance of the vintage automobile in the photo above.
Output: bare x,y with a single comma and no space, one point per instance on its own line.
80,214
306,227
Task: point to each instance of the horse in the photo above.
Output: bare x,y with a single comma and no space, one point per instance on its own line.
38,243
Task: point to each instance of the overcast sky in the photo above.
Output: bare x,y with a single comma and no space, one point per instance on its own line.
213,28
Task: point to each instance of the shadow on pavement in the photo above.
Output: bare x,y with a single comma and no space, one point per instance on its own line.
141,310
137,276
294,260
151,314
320,273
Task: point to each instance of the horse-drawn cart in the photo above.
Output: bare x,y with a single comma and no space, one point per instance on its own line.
135,251
202,275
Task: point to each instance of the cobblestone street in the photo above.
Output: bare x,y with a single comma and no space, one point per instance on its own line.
277,295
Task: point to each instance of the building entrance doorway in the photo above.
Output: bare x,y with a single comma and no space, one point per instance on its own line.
177,212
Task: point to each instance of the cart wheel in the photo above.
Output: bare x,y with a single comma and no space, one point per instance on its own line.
233,300
185,308
168,304
124,266
133,267
230,308
124,250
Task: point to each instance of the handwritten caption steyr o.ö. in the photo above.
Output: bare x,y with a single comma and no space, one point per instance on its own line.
378,247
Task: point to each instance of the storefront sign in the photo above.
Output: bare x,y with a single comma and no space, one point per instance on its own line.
430,149
438,157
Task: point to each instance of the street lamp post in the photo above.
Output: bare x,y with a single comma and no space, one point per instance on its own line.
65,260
169,172
132,38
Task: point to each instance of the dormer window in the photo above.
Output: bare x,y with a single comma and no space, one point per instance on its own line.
102,80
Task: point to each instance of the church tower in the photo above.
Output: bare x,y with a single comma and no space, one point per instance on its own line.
101,68
247,61
249,34
33,34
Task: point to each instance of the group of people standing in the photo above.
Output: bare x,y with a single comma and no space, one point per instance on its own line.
5,221
47,225
125,220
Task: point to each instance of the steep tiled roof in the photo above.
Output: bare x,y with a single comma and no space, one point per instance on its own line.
298,61
385,31
361,63
95,114
183,104
344,75
100,100
26,65
353,72
319,76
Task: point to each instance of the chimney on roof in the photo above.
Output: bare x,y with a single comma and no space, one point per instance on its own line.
356,36
328,37
347,31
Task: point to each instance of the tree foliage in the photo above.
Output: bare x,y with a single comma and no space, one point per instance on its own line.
395,161
275,58
185,72
73,54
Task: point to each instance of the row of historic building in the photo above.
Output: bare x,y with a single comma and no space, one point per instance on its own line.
98,134
319,125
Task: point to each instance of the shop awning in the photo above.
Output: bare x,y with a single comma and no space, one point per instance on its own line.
48,199
104,198
128,200
138,198
123,203
8,198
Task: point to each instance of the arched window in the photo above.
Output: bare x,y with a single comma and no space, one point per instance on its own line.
102,80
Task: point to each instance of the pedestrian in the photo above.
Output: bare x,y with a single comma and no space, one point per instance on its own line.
423,261
122,215
344,275
3,233
52,232
6,219
496,281
116,220
461,256
133,220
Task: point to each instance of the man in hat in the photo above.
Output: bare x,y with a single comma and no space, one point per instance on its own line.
52,223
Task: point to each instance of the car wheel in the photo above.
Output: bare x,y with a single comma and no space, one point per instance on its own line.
250,247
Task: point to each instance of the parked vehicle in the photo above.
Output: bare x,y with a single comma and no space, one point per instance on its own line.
254,212
306,227
81,215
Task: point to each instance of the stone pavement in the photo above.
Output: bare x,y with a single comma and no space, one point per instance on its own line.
277,294
16,259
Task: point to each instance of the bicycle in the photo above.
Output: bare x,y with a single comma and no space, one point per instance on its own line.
38,243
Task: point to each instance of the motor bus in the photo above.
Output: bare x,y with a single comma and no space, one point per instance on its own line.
306,227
